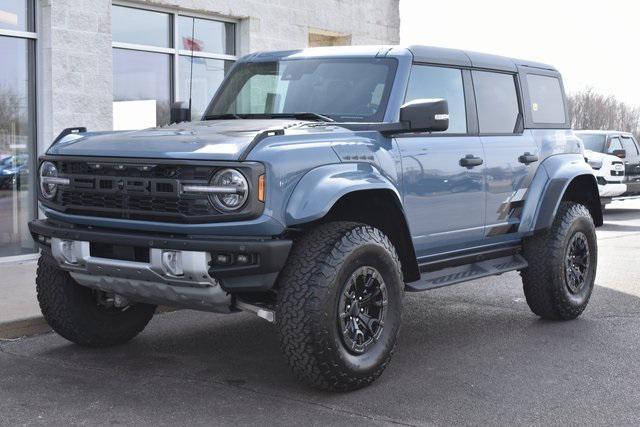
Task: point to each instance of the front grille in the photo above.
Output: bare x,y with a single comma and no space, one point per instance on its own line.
617,172
142,191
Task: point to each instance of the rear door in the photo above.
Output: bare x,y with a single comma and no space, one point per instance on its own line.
632,164
444,200
510,152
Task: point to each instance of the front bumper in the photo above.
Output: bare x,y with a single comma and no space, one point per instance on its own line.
201,284
612,189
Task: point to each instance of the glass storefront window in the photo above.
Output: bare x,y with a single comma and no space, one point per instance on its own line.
207,76
208,36
17,145
16,15
143,77
152,63
143,27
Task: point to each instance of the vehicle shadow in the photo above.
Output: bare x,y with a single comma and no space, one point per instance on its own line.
474,345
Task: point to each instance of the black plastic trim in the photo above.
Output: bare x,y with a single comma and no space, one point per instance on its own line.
272,253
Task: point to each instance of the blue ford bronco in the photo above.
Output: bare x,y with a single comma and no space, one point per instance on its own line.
318,187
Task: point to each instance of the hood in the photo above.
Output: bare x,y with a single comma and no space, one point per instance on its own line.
203,140
596,155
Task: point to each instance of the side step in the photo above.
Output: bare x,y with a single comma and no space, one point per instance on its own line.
464,273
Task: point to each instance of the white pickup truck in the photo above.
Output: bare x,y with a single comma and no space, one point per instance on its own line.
609,172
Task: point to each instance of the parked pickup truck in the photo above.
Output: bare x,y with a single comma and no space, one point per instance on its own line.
320,185
620,149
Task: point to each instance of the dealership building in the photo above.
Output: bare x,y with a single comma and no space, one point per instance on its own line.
119,65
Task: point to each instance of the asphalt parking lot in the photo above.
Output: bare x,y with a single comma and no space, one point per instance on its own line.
468,354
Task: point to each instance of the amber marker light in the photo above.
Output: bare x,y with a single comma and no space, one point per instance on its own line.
261,188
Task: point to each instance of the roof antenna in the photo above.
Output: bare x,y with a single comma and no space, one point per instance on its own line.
193,42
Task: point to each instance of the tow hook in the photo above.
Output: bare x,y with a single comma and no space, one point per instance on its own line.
262,312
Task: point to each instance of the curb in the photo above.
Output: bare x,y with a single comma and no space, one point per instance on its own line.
37,326
23,328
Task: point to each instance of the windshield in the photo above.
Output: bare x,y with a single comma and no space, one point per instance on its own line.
592,141
351,89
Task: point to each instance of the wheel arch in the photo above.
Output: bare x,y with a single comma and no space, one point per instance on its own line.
566,180
354,192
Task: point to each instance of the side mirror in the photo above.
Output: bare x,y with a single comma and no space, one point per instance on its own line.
620,153
180,112
425,115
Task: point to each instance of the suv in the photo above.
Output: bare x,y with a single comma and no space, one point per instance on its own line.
319,186
619,144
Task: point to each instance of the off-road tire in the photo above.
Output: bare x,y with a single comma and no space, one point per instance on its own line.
310,286
544,281
73,312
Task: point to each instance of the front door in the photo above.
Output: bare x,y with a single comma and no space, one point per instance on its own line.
443,173
631,164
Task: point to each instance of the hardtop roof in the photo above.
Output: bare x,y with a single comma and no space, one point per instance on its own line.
420,53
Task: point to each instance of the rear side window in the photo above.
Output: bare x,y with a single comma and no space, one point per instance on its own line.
438,82
629,146
547,102
497,102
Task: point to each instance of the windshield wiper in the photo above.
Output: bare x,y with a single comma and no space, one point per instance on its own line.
302,116
228,116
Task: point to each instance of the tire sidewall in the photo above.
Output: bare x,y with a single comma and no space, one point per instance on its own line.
584,225
376,256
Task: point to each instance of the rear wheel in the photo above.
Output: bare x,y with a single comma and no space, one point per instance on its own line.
339,306
86,316
562,265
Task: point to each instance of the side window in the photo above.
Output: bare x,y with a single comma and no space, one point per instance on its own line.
497,101
439,82
630,146
614,144
547,102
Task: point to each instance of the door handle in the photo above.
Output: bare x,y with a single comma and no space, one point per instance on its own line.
470,161
527,158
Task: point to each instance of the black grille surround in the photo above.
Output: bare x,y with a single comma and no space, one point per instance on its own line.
146,189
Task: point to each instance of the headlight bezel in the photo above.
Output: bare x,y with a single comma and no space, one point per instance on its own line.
48,190
240,185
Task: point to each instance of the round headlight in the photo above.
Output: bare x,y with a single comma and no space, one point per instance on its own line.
236,195
48,189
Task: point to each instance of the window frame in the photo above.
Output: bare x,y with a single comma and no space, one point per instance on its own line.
523,71
174,51
518,128
469,101
36,110
633,142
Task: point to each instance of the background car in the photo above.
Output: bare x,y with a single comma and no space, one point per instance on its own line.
603,145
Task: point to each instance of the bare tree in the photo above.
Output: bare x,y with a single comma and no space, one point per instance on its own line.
591,110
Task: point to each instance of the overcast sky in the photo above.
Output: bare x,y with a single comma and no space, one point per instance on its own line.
591,42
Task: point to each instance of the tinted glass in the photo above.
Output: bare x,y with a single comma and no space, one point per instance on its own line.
129,25
593,142
630,146
497,102
17,145
614,144
437,82
347,90
144,77
207,76
16,15
208,36
547,102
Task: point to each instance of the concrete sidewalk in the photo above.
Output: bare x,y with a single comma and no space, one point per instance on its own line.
19,310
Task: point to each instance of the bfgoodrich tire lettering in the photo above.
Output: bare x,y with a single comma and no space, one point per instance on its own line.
73,311
556,257
309,305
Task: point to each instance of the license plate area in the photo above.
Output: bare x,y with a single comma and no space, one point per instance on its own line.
120,252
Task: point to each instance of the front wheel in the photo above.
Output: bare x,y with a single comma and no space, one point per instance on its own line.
562,265
339,306
86,316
